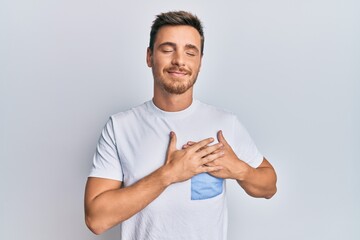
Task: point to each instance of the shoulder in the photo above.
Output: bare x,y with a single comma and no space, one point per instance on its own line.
130,113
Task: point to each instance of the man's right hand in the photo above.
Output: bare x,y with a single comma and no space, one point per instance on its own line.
185,163
108,204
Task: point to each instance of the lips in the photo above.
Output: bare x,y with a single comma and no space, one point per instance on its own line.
178,72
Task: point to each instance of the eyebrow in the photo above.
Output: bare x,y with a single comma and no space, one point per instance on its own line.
171,44
191,46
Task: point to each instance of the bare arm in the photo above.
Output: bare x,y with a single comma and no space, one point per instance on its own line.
107,204
260,181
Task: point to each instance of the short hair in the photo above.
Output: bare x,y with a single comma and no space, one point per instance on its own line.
176,18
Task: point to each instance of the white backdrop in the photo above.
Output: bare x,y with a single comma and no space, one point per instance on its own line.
289,69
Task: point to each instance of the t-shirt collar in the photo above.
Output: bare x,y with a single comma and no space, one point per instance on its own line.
179,114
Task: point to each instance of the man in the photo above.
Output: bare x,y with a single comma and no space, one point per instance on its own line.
159,168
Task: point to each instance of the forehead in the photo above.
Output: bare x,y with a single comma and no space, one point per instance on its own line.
180,35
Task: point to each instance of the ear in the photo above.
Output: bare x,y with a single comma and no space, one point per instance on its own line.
148,57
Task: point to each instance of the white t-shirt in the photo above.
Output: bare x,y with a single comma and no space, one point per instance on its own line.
133,144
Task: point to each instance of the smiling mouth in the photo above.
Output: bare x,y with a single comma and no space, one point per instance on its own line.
177,73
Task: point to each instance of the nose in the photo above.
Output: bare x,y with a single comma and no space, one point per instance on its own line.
178,59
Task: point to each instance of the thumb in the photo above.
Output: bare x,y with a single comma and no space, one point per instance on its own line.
221,138
172,143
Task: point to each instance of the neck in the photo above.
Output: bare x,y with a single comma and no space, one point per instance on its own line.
173,102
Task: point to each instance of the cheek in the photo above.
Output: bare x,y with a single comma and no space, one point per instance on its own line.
195,64
195,68
160,64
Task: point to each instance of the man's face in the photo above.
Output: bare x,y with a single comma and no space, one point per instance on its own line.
176,58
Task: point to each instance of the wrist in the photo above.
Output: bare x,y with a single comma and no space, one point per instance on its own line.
165,176
245,172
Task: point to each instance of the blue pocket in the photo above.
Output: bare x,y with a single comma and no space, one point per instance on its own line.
204,186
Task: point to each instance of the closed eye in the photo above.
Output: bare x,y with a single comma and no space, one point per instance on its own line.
191,50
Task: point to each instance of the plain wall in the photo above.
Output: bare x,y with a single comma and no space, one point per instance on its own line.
289,69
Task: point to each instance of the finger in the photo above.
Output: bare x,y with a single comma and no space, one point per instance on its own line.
209,159
192,143
212,164
188,144
203,169
216,151
185,146
197,146
221,138
210,149
172,143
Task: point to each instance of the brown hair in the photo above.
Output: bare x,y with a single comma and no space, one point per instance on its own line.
176,18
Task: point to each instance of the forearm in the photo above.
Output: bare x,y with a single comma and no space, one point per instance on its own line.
114,206
259,182
107,204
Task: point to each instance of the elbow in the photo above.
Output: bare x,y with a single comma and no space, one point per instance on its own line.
98,225
271,193
94,226
273,188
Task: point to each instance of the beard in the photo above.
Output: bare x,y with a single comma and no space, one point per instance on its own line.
175,85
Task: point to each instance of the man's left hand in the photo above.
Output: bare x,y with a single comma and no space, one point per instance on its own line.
232,166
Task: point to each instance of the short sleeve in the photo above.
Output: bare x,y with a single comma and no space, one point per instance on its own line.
106,162
244,146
